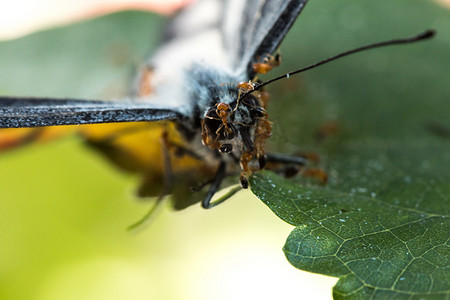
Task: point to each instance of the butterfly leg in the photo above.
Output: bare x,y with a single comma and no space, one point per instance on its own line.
167,165
168,182
215,185
286,159
291,165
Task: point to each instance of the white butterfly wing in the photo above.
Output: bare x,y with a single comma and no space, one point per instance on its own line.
231,34
224,35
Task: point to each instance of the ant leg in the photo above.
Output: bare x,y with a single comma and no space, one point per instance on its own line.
219,129
218,178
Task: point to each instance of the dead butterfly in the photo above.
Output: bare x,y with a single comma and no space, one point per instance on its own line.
198,113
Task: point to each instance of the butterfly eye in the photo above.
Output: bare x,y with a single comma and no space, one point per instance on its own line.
212,120
258,112
250,101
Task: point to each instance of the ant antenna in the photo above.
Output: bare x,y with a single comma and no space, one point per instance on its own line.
420,37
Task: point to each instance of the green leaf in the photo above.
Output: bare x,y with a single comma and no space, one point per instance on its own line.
381,224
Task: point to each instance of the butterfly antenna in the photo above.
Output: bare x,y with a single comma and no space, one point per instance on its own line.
420,37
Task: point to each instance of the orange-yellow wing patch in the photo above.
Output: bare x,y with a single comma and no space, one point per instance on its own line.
16,137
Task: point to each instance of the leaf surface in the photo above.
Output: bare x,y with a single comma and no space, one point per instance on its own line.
381,224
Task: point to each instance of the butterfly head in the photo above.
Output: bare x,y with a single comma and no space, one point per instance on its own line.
238,129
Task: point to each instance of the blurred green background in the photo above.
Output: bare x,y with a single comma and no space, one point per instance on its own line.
64,210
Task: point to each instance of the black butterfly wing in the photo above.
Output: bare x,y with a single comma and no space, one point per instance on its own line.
37,112
264,25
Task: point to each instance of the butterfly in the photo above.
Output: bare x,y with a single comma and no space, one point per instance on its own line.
201,110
